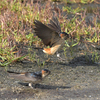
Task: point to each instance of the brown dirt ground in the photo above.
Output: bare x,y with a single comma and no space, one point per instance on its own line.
76,78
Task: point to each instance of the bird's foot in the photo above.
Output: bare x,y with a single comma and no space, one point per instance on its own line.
31,85
60,58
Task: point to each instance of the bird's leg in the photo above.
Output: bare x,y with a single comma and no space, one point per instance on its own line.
30,85
60,58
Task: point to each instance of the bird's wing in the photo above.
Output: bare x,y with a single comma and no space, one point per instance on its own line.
16,75
27,76
11,72
55,25
45,33
33,75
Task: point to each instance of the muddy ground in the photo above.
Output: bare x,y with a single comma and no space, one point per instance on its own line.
76,78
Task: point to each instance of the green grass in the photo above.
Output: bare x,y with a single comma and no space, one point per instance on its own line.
76,1
16,27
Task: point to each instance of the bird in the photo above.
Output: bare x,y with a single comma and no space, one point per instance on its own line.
31,77
51,35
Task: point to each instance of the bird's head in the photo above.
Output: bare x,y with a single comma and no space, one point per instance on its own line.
45,72
64,35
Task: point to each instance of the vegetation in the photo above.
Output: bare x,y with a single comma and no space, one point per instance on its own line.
79,1
16,26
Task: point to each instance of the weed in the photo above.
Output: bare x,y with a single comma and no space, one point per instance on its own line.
95,57
16,27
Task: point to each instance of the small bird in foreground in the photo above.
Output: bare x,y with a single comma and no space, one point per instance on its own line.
51,35
31,77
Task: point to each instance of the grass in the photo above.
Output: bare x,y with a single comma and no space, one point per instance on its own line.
16,27
75,1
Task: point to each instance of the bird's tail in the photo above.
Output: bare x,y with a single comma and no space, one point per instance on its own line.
11,72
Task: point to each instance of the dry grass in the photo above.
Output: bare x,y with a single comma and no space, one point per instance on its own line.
16,26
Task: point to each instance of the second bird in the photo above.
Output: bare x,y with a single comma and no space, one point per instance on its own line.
31,77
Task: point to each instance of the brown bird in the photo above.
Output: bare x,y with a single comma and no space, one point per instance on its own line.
51,35
32,77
